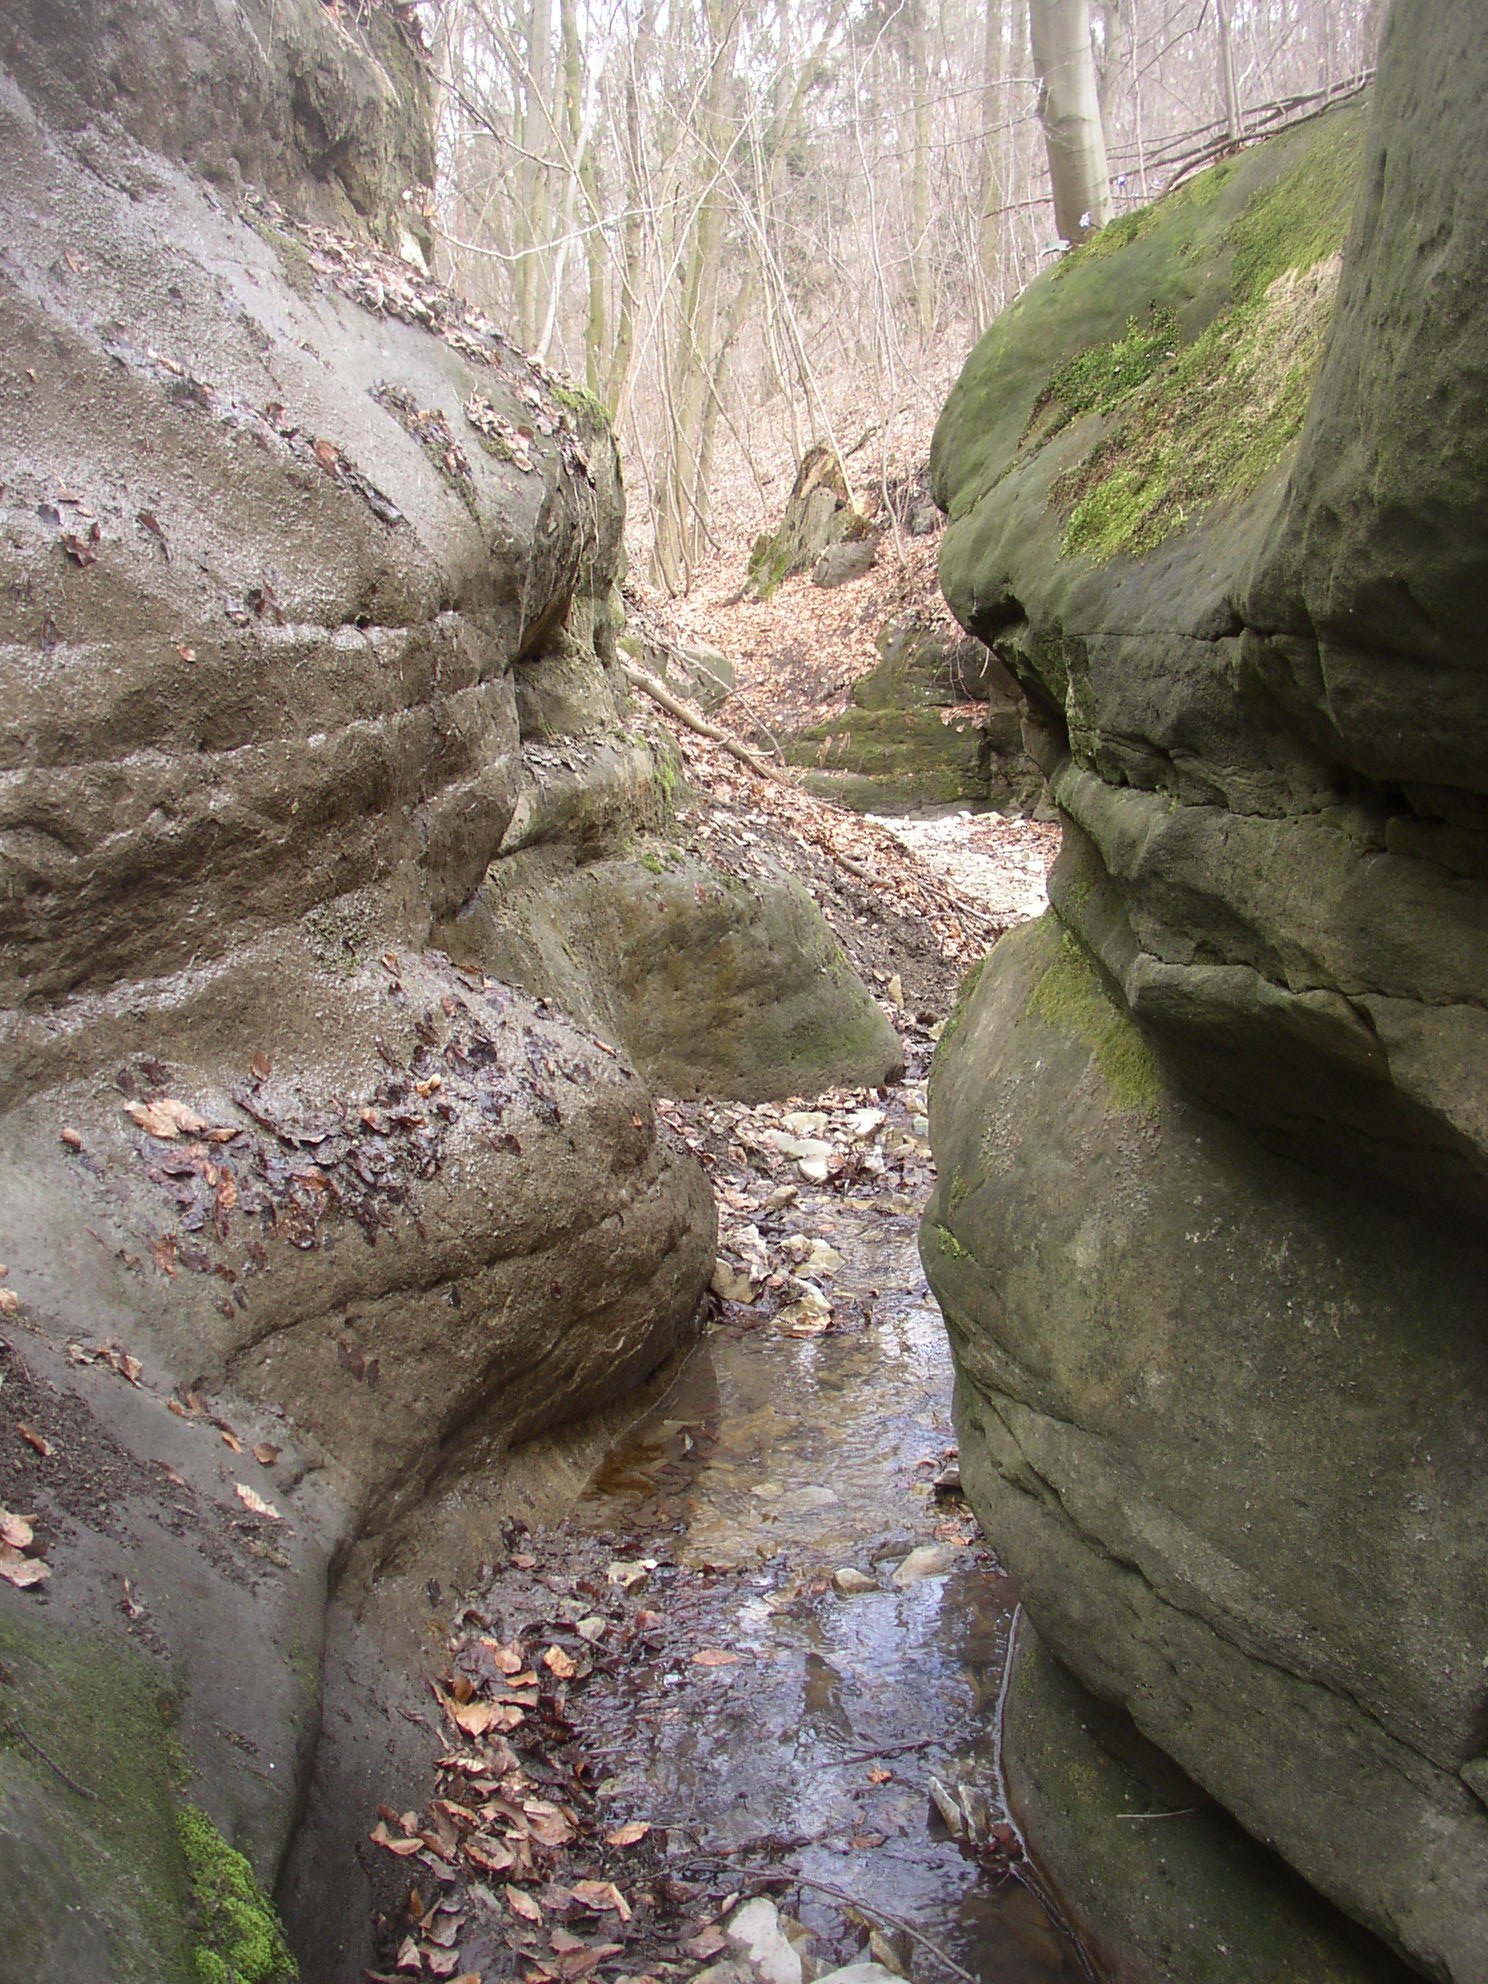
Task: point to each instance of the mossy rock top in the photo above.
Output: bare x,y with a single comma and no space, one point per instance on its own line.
1156,374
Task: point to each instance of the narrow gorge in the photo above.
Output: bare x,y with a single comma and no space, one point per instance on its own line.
460,1158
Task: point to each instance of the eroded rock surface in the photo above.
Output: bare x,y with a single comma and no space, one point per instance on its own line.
1212,1138
296,555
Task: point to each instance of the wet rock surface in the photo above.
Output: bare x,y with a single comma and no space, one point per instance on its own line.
1210,1140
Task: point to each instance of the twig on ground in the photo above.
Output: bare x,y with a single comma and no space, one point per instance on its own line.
51,1763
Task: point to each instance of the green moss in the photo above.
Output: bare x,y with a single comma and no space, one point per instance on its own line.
1070,996
948,1244
98,1867
958,1012
293,256
239,1940
1099,378
875,758
1199,423
769,562
584,405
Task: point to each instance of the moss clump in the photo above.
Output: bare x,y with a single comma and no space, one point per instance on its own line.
1099,378
239,1940
958,1012
1070,996
948,1244
1198,423
582,404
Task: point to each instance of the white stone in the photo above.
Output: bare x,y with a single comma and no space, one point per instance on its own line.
755,1930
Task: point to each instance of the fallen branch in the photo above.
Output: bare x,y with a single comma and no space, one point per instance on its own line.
642,679
51,1763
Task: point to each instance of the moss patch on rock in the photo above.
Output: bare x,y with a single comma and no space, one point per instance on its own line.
1199,422
1070,995
239,1939
882,758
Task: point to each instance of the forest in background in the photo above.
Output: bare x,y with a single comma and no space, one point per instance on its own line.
749,225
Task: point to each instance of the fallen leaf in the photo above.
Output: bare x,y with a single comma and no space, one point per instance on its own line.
477,1718
878,1775
72,1138
262,1066
494,1855
266,1455
15,1531
408,1955
522,1904
230,1439
602,1895
165,1118
380,1836
506,1659
560,1663
10,1302
714,1656
22,1571
629,1834
186,653
176,1480
706,1943
327,454
34,1439
251,1499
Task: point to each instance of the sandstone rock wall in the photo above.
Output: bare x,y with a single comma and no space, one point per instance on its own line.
1212,1139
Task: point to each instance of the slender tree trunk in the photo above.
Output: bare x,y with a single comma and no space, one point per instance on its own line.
1069,110
989,192
1229,94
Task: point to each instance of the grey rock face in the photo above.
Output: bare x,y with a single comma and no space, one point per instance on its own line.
1212,1141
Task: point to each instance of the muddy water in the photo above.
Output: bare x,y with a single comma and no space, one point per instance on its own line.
774,1462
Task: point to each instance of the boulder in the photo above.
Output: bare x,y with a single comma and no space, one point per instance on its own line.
1212,1138
893,749
819,513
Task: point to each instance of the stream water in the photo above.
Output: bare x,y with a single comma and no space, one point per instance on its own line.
776,1461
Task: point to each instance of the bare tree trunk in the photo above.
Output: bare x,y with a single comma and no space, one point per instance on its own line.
1229,94
1069,110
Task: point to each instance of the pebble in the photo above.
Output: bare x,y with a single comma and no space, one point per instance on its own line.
755,1931
927,1560
852,1583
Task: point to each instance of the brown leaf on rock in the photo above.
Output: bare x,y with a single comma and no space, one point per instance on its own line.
72,1138
265,1454
714,1656
562,1664
706,1943
252,1500
166,1118
34,1439
15,1531
521,1904
493,1856
380,1836
262,1066
408,1955
602,1895
630,1834
20,1570
10,1302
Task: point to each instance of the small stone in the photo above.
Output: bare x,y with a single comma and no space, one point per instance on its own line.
849,1582
755,1930
928,1560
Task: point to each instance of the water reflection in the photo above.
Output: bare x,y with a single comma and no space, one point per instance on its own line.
789,1460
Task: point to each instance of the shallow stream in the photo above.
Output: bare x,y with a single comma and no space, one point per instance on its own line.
776,1461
